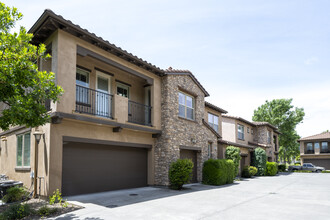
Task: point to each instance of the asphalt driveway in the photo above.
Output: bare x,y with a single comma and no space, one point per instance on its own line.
286,196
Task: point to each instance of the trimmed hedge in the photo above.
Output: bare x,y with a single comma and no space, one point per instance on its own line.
281,167
180,173
233,153
259,160
249,171
271,169
218,172
326,171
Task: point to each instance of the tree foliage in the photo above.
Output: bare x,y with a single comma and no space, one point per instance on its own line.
23,88
259,160
283,115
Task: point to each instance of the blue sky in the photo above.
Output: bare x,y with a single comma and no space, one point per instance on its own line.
243,52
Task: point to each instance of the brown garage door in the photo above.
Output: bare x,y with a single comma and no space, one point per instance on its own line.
89,168
319,162
190,154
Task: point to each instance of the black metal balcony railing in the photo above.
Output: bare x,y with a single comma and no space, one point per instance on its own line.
309,152
325,151
93,102
139,113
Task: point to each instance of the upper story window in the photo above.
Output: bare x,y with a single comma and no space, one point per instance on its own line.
213,121
269,137
324,147
82,80
122,90
23,150
240,132
186,106
248,130
316,145
82,77
252,130
310,147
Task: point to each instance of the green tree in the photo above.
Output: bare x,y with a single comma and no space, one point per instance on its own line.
233,153
23,88
283,115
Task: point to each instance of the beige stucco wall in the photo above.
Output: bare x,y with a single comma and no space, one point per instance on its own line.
9,153
228,129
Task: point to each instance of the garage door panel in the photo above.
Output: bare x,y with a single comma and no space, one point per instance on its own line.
319,162
91,168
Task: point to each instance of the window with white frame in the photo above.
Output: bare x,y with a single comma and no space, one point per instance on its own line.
82,81
269,137
23,151
122,90
213,121
324,148
186,106
240,132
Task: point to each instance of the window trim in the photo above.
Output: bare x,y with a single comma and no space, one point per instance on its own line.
85,71
209,150
212,124
185,106
269,137
22,167
238,137
123,86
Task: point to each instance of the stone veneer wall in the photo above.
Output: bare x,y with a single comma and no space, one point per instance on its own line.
177,131
261,138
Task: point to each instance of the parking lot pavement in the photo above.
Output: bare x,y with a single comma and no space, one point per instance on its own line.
285,196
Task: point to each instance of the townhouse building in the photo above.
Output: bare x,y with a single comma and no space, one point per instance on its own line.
121,121
315,149
247,136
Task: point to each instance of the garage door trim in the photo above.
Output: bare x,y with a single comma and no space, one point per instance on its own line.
105,142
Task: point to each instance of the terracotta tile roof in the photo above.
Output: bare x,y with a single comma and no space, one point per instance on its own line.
171,71
214,107
213,131
49,22
323,135
240,119
235,144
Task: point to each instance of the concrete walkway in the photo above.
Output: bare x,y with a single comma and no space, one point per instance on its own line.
286,196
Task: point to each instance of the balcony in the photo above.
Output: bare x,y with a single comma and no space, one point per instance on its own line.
139,113
325,151
309,152
93,102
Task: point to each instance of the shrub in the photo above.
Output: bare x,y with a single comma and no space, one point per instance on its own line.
57,198
15,194
46,211
233,153
16,211
259,160
218,172
180,173
326,171
249,171
271,169
281,167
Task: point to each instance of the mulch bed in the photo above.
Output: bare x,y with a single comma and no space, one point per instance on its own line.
38,203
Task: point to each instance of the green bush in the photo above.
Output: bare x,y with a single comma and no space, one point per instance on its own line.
46,211
326,171
57,198
249,171
180,173
16,211
218,172
259,160
233,153
15,194
271,169
281,167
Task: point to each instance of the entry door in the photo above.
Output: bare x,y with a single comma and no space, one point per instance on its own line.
103,98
